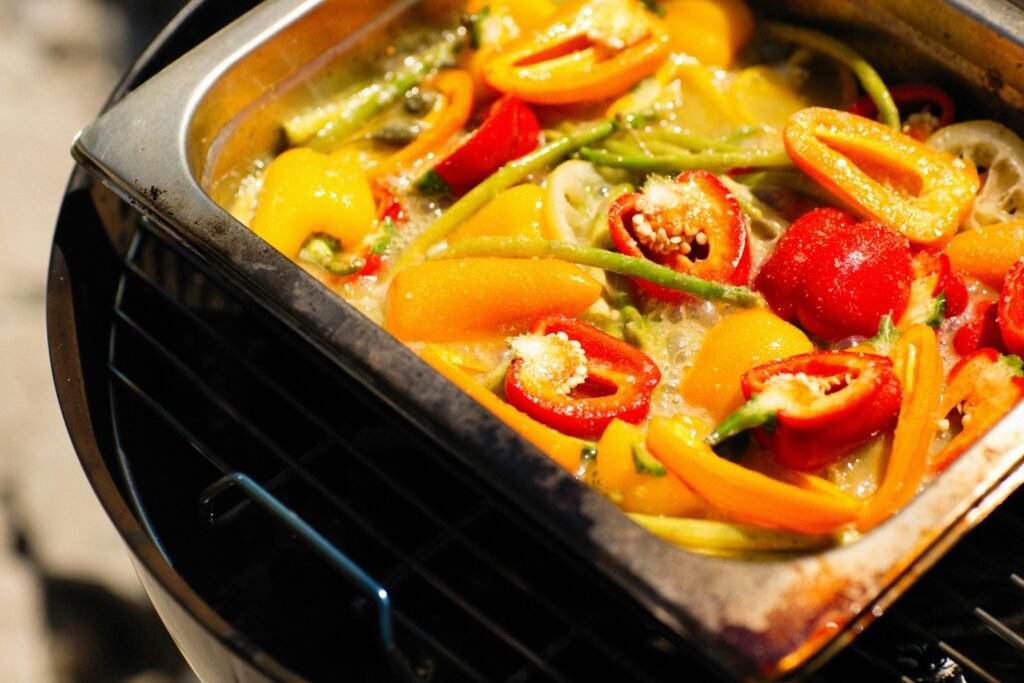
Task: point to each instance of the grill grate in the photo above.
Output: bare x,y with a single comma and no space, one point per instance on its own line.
202,386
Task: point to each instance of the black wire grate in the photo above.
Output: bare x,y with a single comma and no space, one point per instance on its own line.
202,385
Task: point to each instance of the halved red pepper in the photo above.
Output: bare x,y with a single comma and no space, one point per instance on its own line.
575,378
837,277
933,108
692,225
981,388
882,174
1011,309
811,410
509,131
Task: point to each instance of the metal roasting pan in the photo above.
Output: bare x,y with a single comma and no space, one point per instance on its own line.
200,119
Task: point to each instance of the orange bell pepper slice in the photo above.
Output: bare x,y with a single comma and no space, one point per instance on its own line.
448,118
480,298
588,51
567,451
988,251
883,174
743,494
918,364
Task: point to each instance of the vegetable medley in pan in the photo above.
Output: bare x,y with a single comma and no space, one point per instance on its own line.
719,270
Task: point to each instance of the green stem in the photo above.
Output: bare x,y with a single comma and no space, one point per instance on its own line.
869,79
325,125
748,416
504,178
676,163
584,255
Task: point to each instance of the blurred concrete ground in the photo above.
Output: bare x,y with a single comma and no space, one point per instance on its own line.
59,59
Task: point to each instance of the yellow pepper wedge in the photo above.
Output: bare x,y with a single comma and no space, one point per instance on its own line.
617,474
481,298
588,51
446,119
733,346
988,251
515,212
883,174
743,494
565,450
918,364
305,192
711,31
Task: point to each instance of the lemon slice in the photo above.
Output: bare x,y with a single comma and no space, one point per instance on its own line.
999,153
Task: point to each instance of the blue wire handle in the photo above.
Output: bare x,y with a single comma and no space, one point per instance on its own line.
373,590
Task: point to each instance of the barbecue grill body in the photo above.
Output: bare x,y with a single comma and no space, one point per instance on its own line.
210,587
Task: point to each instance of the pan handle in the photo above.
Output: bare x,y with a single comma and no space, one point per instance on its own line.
373,590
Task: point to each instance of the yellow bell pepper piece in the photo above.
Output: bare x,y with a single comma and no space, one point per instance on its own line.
565,450
733,346
988,251
480,298
743,494
516,212
305,192
615,474
712,31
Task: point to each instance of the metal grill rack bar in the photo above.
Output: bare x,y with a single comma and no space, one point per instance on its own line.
477,593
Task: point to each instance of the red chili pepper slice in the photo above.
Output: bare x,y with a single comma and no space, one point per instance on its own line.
509,131
980,331
837,277
817,407
934,108
1011,309
575,378
981,389
692,225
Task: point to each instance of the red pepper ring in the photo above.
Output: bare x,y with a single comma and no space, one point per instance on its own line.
913,94
816,407
692,225
619,379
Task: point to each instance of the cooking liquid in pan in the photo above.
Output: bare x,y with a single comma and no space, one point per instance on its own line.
629,146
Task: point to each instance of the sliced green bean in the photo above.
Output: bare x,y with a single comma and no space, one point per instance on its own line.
676,163
708,534
585,255
869,79
325,125
504,178
695,143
